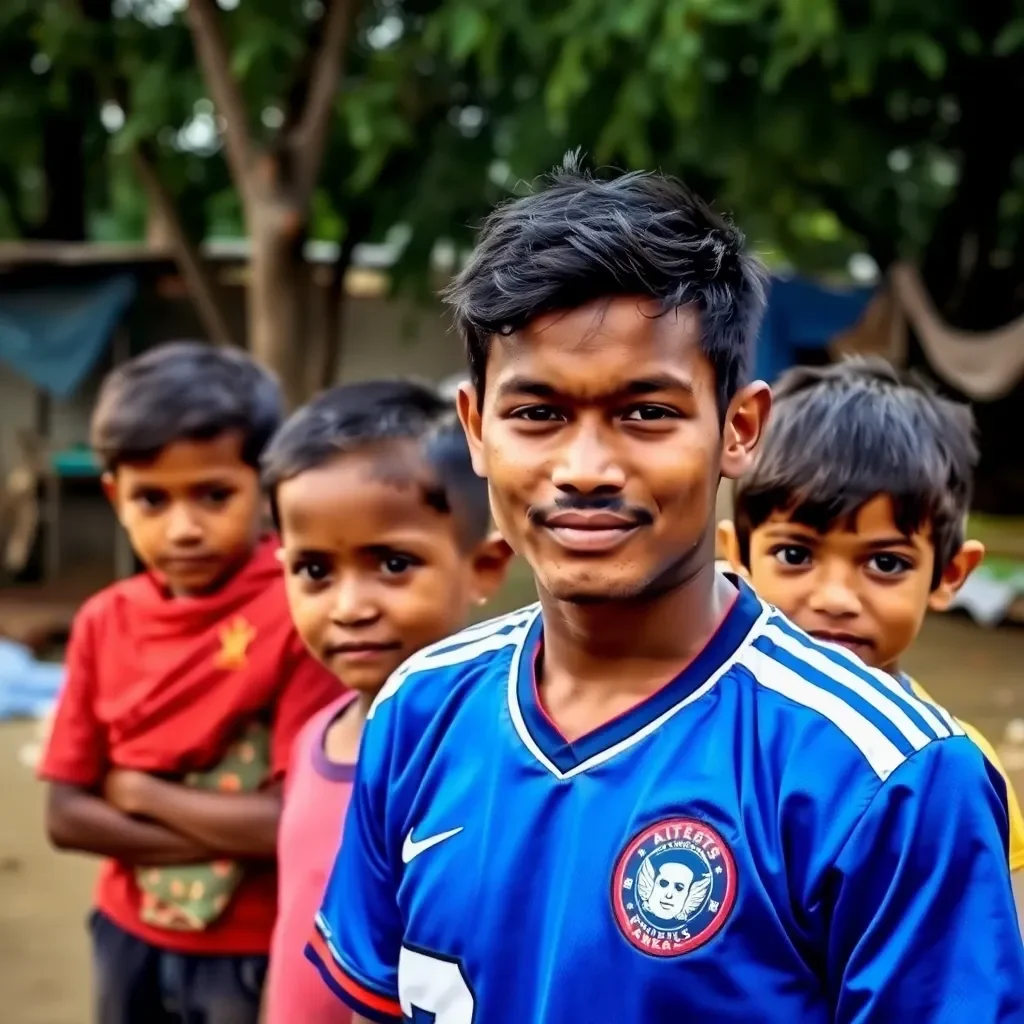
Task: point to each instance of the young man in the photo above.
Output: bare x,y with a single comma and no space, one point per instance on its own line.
856,542
385,533
651,798
166,671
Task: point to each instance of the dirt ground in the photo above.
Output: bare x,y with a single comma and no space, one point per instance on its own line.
44,967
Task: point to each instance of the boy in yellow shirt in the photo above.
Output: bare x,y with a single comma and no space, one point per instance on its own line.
852,520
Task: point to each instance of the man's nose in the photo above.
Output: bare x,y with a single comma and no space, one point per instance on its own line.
589,462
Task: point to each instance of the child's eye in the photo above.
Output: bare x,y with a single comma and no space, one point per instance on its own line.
150,501
218,496
886,564
395,565
792,555
314,571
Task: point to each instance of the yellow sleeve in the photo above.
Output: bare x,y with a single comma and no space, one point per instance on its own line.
1012,803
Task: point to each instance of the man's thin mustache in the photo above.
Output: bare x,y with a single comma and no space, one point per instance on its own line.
581,503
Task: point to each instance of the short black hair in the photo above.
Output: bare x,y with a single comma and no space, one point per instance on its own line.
579,239
353,417
184,391
840,435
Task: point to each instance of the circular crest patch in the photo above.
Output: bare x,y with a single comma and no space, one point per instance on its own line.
673,887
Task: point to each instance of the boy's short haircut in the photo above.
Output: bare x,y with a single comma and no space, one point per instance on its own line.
184,391
843,434
581,239
354,417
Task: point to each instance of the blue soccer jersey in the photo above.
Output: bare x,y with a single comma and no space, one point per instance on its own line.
779,834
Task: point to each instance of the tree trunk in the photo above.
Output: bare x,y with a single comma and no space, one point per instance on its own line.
202,286
334,326
277,295
970,289
327,342
276,185
324,330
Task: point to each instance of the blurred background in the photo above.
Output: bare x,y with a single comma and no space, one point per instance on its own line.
300,177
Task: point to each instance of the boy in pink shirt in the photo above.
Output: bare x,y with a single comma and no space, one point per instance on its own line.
386,543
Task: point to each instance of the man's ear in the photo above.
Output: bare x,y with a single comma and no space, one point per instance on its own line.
954,576
468,408
745,421
490,567
727,546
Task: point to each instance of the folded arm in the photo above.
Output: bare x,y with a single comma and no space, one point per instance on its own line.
242,825
77,819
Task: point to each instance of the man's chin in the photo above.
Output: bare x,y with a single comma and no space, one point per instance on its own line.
591,589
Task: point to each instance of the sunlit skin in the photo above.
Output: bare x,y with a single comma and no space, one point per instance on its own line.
373,572
193,513
601,440
864,584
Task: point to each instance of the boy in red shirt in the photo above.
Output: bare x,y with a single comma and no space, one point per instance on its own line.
166,672
387,546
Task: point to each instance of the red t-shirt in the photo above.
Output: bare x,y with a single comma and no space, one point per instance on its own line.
163,685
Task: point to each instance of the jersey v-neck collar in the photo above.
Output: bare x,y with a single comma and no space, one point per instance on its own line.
565,759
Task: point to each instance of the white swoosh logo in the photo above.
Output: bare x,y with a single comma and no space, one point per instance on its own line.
412,848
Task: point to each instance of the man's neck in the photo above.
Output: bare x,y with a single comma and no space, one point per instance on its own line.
600,661
610,640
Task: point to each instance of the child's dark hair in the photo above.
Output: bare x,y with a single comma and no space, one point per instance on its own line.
841,435
184,391
580,239
353,417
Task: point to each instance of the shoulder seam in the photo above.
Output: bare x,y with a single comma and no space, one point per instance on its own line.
459,649
894,697
793,702
884,732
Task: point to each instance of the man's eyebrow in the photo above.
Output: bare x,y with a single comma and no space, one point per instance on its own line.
526,386
658,382
521,385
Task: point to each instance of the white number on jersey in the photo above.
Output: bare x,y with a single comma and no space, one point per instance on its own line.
433,986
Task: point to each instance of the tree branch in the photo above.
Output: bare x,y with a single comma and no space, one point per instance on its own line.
215,60
200,286
308,138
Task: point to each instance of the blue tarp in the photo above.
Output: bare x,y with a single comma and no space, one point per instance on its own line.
28,687
54,336
803,315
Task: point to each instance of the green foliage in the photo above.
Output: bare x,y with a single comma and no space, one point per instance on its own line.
825,127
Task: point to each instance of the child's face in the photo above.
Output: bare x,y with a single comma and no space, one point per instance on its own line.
373,572
192,514
863,585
